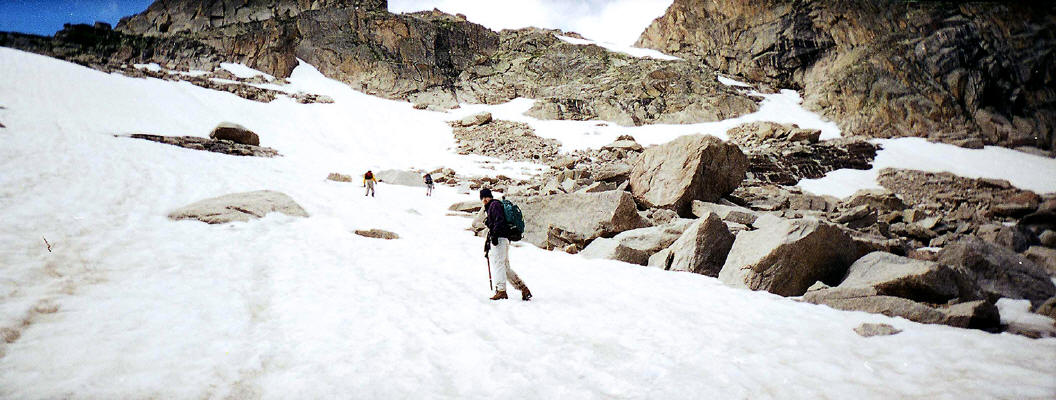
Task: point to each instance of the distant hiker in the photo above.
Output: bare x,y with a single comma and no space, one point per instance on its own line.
497,248
368,182
428,185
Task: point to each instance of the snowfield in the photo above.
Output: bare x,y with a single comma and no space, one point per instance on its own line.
128,304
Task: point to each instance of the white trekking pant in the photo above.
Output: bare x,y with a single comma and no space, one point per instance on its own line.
499,257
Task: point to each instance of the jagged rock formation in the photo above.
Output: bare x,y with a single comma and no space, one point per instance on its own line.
961,72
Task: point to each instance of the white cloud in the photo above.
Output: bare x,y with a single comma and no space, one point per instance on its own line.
614,21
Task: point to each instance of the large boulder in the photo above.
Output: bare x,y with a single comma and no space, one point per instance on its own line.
581,217
689,168
702,249
400,177
239,207
785,257
892,275
235,133
999,271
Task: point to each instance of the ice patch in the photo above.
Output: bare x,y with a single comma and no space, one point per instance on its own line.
628,50
243,71
732,82
153,67
1025,171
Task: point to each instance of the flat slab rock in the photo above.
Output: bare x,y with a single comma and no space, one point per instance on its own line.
870,330
377,234
239,207
216,146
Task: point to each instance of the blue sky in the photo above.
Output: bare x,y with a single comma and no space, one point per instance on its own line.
44,17
616,21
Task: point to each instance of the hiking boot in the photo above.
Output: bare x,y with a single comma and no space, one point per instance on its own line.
526,294
499,295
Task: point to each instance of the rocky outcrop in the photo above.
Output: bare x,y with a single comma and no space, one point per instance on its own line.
239,207
235,133
960,72
785,257
502,139
1000,272
689,168
577,218
214,145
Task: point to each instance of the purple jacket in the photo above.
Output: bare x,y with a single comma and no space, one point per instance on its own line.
496,221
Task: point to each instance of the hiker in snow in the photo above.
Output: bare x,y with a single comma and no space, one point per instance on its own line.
428,185
368,182
497,249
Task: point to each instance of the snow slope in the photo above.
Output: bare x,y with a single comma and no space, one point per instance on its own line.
132,305
628,50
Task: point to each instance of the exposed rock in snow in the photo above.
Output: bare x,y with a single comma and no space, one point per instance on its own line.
235,133
239,207
217,146
337,177
377,234
870,330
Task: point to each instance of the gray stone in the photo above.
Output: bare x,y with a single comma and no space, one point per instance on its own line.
689,168
336,177
999,271
637,245
467,206
377,234
787,257
878,199
585,216
475,119
235,133
239,207
891,275
1014,237
703,248
1048,239
1043,256
870,330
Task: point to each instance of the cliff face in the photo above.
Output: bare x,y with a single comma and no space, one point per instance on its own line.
437,59
969,73
172,16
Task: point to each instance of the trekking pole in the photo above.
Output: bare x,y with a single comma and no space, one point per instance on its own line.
490,285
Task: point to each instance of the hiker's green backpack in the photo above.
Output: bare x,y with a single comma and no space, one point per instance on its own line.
514,220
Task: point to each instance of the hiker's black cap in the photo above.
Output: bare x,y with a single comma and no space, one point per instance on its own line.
486,193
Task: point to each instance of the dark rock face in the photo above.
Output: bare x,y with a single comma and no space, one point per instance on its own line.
1000,272
99,46
788,163
172,16
959,72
